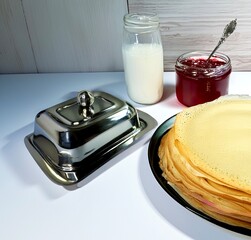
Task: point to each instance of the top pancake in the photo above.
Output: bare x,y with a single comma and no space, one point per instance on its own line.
216,139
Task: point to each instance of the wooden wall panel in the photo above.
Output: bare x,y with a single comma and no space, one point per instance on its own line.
86,35
16,54
189,25
76,35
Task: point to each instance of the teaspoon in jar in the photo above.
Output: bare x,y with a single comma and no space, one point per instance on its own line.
228,30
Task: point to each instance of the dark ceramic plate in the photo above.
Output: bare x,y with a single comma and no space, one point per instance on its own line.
154,164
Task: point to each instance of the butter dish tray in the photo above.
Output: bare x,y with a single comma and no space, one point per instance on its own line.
74,138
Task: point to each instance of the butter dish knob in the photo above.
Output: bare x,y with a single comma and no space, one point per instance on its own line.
86,100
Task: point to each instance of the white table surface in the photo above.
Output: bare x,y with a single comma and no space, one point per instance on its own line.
122,200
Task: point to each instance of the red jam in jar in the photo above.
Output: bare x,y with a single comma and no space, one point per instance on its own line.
199,81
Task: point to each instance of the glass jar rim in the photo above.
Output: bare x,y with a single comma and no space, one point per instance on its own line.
205,53
143,20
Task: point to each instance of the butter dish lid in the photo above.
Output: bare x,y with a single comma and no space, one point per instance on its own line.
74,122
74,138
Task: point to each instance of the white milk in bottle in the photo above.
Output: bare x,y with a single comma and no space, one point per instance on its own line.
143,66
143,58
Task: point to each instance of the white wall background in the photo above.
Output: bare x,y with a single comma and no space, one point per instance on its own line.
85,35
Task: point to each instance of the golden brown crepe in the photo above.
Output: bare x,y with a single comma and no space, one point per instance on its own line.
206,158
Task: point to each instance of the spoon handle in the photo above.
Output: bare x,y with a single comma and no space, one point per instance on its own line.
228,30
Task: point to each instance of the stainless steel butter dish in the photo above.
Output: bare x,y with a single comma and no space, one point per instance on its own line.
74,138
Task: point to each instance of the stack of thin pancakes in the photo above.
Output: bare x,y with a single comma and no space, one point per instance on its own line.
206,158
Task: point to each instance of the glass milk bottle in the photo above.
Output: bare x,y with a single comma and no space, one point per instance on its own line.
143,57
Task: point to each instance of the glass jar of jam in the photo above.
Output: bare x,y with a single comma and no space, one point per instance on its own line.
199,81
